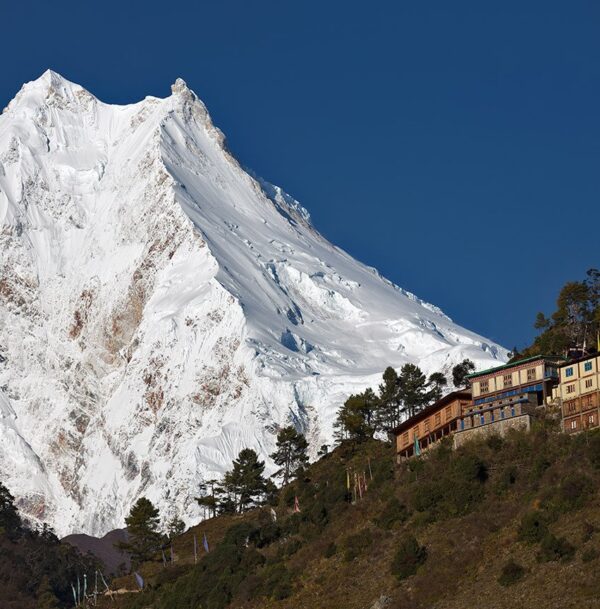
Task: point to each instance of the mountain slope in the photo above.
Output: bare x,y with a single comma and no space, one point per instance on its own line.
160,308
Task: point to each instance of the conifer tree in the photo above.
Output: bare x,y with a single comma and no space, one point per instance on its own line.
10,521
245,481
356,418
461,371
437,382
143,533
388,407
412,389
290,454
46,599
175,527
209,498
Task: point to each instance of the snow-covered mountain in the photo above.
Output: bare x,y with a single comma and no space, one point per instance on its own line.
161,308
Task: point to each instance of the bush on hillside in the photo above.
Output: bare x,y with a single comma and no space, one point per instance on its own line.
393,512
589,555
533,527
511,573
555,548
409,556
354,545
452,490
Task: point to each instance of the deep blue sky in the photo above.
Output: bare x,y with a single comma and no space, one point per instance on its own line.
453,145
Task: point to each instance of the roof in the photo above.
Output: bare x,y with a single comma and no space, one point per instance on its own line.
462,394
577,360
517,363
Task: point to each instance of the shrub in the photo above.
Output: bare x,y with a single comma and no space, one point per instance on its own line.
511,573
573,492
452,490
495,442
355,544
555,548
408,557
330,550
507,477
277,581
533,527
593,449
394,511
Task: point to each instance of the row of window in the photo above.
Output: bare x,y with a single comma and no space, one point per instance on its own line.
508,394
570,388
507,379
437,422
587,367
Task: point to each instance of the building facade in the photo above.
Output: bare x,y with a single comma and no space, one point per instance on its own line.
505,397
579,393
420,432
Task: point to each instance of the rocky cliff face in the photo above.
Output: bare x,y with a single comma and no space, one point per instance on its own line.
160,308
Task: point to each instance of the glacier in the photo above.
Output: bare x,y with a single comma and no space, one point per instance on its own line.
161,308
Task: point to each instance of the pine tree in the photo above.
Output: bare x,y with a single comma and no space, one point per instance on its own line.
143,533
412,389
208,500
175,527
461,371
245,481
356,418
46,599
437,382
10,521
388,407
290,454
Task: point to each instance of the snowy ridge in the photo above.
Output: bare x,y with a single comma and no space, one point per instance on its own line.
162,308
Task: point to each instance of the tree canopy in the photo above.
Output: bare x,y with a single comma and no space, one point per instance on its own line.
291,454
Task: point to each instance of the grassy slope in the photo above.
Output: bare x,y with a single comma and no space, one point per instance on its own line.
465,507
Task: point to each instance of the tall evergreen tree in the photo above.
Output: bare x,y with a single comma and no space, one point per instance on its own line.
245,481
437,383
412,389
388,407
575,323
10,521
175,527
356,418
209,498
461,371
291,454
144,537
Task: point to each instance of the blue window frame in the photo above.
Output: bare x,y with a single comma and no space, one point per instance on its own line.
587,366
569,371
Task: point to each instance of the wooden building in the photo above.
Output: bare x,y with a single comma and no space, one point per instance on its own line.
504,397
433,423
579,393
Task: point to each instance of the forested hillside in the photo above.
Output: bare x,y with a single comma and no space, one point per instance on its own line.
510,522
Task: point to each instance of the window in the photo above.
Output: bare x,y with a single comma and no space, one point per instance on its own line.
448,413
587,366
591,419
588,383
571,388
508,380
438,419
426,424
587,401
570,407
574,424
484,386
531,374
405,437
569,371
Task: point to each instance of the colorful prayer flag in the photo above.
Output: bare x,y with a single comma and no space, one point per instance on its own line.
205,543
